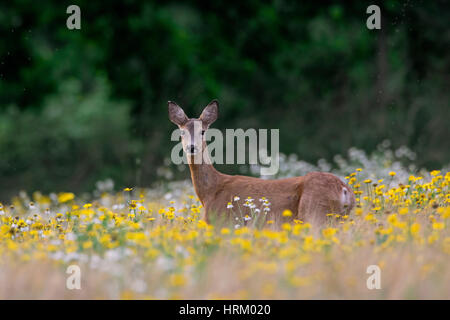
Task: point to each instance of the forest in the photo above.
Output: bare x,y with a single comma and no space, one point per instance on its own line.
82,106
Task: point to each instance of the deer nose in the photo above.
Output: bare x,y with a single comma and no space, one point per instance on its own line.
192,149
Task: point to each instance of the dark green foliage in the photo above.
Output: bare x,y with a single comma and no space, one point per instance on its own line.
78,106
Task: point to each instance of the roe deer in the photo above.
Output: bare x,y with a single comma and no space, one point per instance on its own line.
310,198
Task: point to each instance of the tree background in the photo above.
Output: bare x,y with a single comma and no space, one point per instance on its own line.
79,106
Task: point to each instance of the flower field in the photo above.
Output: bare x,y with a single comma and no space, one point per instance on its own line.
152,244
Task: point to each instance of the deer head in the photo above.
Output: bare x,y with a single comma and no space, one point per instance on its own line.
193,130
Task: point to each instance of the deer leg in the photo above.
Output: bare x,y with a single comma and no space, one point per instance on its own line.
314,206
311,211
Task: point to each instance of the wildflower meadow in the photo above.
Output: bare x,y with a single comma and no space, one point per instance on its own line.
136,243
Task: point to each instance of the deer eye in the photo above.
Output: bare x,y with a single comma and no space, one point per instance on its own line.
203,132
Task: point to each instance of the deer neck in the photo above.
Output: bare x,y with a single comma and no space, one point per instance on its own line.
205,178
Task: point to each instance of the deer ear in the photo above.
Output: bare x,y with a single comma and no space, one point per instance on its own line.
210,113
176,114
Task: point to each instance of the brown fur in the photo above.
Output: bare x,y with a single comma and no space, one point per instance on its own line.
309,197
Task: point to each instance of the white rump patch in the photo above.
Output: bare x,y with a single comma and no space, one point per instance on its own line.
345,197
